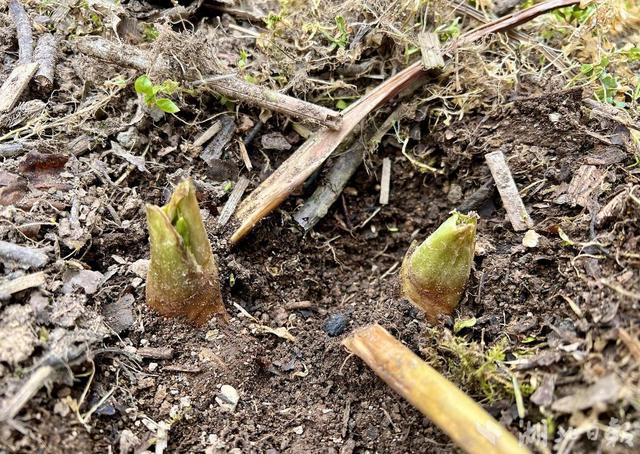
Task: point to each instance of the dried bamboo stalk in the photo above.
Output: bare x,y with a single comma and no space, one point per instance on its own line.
306,159
23,31
455,413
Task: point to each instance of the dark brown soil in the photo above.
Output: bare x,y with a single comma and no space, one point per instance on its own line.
310,395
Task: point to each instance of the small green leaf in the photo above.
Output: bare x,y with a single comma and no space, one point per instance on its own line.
586,69
566,241
143,85
168,86
341,104
459,325
149,99
166,105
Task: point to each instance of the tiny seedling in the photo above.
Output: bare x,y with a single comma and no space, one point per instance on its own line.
150,91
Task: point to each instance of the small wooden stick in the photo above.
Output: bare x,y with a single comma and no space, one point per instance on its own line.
46,56
234,199
15,84
455,413
385,181
208,134
24,257
23,31
508,190
118,53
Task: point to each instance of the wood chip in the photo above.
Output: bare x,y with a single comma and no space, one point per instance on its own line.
583,184
244,154
234,200
21,283
15,84
156,352
508,190
208,134
385,182
220,139
430,48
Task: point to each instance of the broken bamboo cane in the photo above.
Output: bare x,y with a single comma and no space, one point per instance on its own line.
455,413
306,159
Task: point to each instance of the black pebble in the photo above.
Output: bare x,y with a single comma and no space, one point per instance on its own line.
335,324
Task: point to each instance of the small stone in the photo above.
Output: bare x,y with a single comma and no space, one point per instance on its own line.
531,239
335,324
153,367
275,141
228,398
119,314
455,194
554,117
61,408
298,430
139,268
128,138
88,280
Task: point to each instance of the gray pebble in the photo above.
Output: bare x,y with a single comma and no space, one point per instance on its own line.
335,324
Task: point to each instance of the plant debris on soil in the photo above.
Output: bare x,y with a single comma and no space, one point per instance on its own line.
107,105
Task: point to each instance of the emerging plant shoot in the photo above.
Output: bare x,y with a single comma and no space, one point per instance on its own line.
434,274
183,275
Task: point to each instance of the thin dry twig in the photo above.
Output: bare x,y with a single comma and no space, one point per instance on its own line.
551,54
23,31
236,88
633,345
